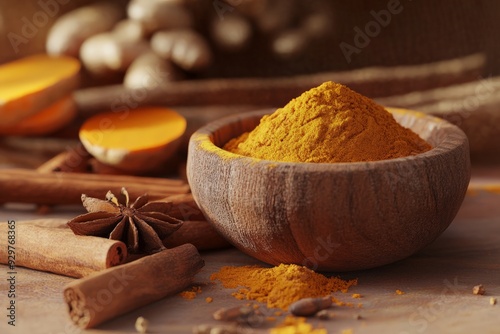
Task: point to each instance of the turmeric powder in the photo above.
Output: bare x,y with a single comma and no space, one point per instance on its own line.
279,286
191,293
296,325
327,124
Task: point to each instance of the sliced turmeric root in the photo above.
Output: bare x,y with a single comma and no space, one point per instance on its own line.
32,84
47,121
137,140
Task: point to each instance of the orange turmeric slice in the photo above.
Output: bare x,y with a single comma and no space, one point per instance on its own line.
137,140
48,120
34,83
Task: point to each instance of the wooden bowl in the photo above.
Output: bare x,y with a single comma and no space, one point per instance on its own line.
330,217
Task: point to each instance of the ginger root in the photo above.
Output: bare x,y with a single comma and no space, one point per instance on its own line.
73,28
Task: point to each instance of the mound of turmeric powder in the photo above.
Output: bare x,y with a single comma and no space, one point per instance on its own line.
329,123
279,286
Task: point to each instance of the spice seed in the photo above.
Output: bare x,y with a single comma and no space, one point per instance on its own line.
478,290
141,325
493,301
325,315
233,313
209,329
310,306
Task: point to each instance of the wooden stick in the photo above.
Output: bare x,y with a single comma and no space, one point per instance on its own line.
58,250
115,291
373,82
26,186
480,89
474,107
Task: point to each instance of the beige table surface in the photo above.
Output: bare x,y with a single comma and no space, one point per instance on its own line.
437,282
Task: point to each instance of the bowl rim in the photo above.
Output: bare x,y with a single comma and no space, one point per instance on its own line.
453,141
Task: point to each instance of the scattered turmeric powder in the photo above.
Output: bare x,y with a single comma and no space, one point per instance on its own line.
400,292
329,123
279,286
188,294
191,293
356,295
296,325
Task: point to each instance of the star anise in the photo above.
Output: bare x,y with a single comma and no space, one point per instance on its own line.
141,226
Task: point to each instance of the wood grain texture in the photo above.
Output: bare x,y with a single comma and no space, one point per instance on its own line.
335,217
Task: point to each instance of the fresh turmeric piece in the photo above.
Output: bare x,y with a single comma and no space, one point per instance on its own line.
44,122
133,140
32,84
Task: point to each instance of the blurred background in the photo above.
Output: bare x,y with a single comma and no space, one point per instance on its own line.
439,57
423,31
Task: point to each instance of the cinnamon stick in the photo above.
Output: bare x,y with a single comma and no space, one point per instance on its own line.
184,207
27,186
199,233
38,145
74,160
373,82
15,159
59,251
115,291
195,229
480,89
474,107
